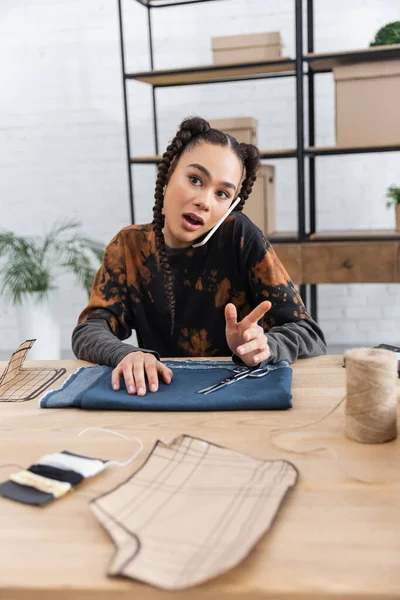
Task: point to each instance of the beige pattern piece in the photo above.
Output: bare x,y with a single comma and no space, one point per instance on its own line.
191,512
18,384
44,484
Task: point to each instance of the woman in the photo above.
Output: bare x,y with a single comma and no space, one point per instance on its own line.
230,294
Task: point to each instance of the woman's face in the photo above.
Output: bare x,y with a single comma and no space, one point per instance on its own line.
199,192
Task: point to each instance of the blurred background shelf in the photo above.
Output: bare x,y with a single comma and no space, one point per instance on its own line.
283,236
215,73
166,3
325,62
311,256
356,235
332,150
265,154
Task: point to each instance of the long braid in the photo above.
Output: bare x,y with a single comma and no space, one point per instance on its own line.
191,132
252,161
170,156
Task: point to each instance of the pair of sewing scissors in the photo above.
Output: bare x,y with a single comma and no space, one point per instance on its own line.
239,373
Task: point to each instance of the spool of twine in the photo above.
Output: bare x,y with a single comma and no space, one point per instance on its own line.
371,397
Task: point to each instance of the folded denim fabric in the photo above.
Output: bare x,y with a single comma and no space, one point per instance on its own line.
90,388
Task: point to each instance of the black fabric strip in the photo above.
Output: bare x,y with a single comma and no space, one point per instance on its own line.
69,476
81,456
24,494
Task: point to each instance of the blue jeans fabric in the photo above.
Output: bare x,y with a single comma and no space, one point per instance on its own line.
90,388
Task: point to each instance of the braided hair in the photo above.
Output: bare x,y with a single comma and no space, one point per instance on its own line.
191,132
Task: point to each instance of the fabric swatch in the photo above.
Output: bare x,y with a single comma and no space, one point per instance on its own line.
53,476
53,473
43,484
24,494
90,388
87,467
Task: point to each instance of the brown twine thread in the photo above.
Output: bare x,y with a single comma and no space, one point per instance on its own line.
371,403
274,432
325,448
371,398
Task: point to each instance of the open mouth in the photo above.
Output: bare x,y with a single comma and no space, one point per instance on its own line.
192,221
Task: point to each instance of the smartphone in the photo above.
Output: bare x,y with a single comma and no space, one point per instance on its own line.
395,349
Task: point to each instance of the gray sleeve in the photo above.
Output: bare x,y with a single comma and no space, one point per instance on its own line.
94,341
299,339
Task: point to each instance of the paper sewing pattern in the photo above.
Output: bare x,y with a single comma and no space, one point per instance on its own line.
18,384
191,512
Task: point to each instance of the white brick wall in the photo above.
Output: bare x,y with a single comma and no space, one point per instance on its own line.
62,145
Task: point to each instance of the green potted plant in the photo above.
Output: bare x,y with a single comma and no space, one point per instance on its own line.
393,199
29,269
387,35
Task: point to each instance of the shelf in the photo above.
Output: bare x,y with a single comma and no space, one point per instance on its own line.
291,153
286,153
163,3
297,249
350,235
356,235
283,236
145,160
323,63
330,150
265,154
284,67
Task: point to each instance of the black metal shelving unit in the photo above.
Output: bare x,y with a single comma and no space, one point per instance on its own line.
304,67
318,64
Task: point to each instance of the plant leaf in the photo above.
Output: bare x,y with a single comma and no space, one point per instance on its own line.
31,264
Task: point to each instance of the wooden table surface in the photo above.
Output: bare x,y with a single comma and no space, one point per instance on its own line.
336,536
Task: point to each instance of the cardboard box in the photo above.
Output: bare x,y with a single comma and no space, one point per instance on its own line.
256,47
244,129
367,103
260,205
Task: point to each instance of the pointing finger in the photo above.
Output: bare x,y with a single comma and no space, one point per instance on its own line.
230,315
258,312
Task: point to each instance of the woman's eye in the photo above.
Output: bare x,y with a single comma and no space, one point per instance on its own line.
223,195
195,180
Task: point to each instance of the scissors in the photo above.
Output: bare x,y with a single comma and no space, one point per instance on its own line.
239,373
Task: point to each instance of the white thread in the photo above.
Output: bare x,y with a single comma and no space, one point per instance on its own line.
116,462
214,229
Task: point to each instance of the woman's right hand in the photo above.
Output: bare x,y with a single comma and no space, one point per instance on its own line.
135,367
